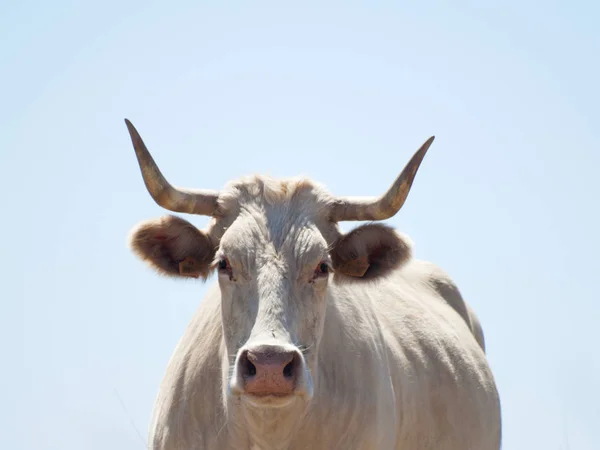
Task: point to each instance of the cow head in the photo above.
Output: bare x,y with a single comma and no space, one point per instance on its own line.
276,248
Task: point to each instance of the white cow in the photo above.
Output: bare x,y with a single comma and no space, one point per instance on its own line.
312,339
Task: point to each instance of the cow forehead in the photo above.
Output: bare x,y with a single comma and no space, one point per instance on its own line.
271,218
254,237
285,197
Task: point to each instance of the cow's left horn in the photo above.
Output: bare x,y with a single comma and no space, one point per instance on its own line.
389,203
202,202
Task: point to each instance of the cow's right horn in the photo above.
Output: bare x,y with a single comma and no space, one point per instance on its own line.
202,202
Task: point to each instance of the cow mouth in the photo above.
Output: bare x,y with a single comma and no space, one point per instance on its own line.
269,400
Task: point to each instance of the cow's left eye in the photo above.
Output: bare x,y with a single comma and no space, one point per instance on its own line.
322,270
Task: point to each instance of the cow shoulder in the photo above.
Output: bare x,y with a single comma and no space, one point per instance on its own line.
188,411
449,292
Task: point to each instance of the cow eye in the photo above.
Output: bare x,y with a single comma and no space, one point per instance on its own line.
224,265
322,269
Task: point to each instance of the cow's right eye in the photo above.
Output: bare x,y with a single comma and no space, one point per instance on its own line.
224,265
224,268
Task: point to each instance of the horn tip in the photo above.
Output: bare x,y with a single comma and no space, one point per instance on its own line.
427,144
132,130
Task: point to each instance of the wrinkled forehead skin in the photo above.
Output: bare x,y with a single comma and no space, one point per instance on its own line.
260,210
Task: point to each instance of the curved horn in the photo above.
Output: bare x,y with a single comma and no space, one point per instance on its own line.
174,199
389,203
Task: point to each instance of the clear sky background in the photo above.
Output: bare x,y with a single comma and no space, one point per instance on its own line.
506,200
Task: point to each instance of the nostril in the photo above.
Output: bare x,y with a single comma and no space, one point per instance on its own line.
250,369
288,370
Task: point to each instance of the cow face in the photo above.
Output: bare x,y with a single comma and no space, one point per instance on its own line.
273,267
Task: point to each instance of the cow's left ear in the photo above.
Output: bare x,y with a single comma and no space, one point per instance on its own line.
370,251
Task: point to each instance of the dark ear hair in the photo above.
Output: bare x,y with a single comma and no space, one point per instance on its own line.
370,251
173,246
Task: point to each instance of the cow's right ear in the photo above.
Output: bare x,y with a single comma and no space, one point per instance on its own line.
173,246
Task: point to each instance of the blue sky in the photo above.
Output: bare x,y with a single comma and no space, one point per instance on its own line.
344,92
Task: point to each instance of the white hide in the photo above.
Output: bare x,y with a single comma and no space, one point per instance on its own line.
393,363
